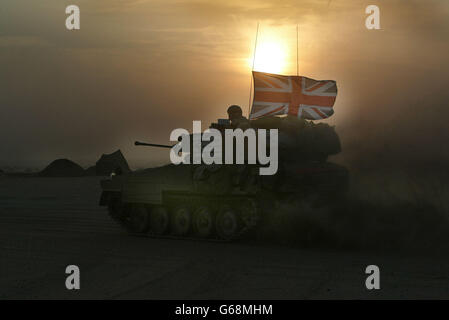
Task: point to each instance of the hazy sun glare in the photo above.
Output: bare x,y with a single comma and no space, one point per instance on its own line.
270,57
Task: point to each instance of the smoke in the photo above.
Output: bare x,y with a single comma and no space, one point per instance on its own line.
383,211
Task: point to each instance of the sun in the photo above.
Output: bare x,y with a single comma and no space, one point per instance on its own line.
270,57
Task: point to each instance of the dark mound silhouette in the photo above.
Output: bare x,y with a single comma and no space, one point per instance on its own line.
114,162
91,171
62,168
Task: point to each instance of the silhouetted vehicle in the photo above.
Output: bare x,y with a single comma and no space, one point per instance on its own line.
226,201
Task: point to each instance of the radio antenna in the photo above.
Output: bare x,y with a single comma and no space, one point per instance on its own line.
252,69
297,49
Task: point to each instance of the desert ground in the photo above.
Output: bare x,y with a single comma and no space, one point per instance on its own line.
49,223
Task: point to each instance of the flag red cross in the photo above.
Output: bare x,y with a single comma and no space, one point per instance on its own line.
296,96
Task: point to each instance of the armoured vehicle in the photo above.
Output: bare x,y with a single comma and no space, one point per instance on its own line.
226,201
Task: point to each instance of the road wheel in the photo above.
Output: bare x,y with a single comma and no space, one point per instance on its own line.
138,218
227,223
203,222
159,220
181,221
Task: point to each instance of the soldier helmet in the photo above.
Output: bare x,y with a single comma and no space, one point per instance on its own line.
234,111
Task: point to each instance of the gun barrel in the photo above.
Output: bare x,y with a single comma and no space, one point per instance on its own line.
138,143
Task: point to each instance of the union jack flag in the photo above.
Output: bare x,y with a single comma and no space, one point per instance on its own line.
294,95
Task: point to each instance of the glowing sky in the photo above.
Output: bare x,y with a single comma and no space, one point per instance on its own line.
137,69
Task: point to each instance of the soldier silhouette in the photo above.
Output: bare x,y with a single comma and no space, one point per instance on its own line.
236,117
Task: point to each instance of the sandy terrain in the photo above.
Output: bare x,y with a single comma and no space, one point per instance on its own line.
49,223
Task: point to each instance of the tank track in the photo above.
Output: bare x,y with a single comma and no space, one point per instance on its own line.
173,237
248,213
